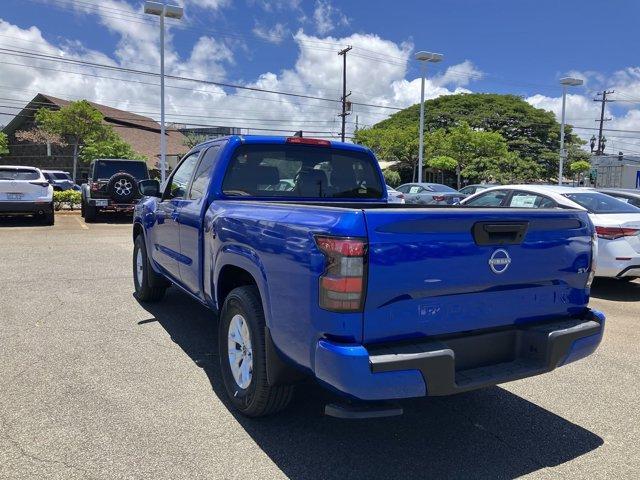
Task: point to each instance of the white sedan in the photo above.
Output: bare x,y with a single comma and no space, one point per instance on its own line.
394,196
25,191
617,223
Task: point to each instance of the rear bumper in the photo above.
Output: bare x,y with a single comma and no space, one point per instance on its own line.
455,364
111,205
24,208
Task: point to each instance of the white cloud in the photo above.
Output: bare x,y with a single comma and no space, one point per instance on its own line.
316,72
327,17
211,4
275,34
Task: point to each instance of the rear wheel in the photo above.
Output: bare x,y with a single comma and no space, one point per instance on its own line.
48,218
90,212
241,343
149,286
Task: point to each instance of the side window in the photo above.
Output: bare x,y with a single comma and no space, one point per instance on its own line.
203,174
530,200
403,189
177,185
489,199
635,202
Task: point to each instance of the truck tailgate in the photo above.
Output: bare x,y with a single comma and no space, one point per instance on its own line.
442,271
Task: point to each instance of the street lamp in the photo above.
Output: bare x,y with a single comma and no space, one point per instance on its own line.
171,11
424,57
565,82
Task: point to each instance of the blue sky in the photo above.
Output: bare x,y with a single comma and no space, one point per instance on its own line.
519,47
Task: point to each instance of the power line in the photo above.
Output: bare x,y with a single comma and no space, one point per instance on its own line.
46,57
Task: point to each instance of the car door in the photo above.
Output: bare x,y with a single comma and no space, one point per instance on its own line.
165,235
190,221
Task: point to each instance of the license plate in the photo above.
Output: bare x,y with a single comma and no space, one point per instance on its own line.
14,196
102,203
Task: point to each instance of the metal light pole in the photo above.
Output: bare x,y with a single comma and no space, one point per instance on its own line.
171,11
424,57
565,82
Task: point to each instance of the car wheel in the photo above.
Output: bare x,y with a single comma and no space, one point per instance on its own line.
149,286
49,217
242,352
90,212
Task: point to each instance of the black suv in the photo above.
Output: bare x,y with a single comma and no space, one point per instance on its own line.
112,186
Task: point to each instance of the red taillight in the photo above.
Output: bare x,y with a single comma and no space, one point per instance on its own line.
94,186
343,280
401,196
438,198
309,141
611,233
40,184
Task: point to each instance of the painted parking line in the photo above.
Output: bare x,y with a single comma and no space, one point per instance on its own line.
82,224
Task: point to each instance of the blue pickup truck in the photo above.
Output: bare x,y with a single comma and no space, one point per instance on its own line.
312,273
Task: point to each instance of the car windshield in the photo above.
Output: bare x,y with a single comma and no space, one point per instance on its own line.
18,174
315,172
596,202
108,168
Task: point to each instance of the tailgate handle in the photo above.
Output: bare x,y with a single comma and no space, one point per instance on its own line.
491,233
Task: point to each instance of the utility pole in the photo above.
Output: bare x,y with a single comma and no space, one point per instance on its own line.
344,88
604,101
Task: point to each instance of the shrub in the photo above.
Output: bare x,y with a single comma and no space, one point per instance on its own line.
391,177
71,198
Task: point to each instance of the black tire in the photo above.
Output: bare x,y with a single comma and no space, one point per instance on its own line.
122,187
258,398
153,286
82,213
90,212
49,218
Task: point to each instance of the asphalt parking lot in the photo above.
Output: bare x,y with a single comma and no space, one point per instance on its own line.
94,385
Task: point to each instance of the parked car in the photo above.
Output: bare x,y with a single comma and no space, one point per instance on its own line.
631,196
617,223
394,196
430,194
59,180
25,191
328,280
471,189
112,186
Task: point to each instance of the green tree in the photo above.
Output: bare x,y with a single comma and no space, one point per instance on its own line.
79,123
580,166
4,144
108,145
391,177
443,163
192,139
392,144
533,133
477,153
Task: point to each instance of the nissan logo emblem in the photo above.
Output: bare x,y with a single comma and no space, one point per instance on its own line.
499,261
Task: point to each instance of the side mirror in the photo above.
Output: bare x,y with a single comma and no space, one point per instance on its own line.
149,188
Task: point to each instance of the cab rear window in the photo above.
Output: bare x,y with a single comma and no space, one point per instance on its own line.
301,171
